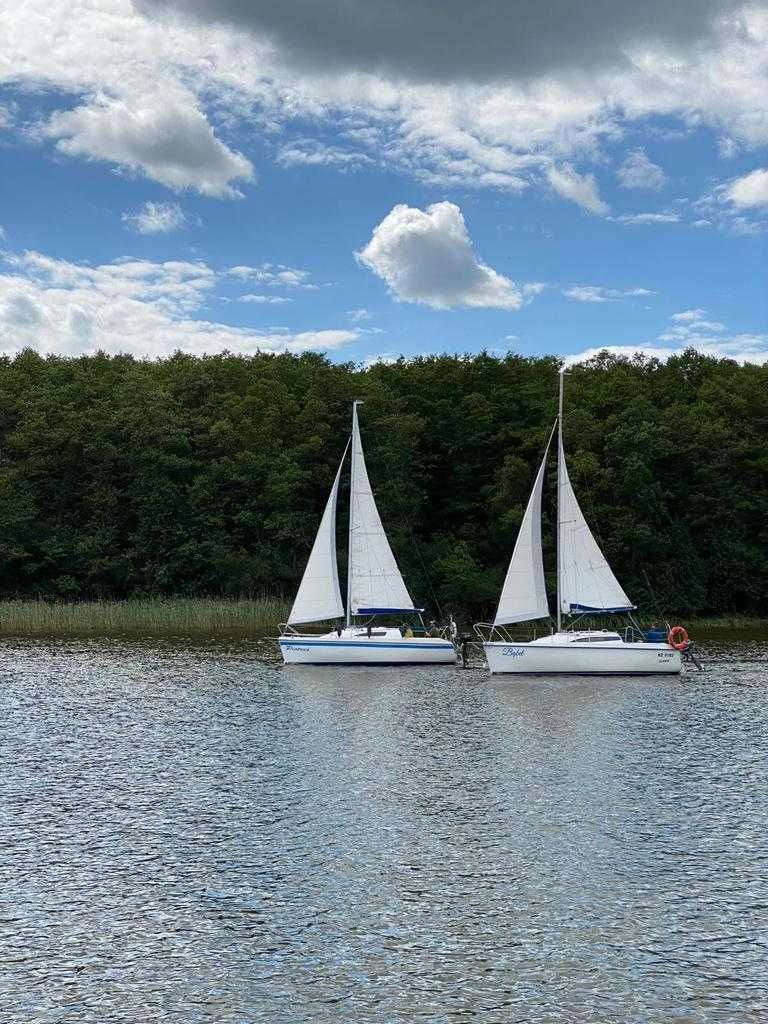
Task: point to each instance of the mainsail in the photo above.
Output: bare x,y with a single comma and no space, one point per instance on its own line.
375,583
319,596
524,596
587,583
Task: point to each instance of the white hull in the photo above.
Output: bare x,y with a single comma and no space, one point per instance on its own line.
355,647
563,654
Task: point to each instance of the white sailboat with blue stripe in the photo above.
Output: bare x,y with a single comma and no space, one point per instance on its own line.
375,587
586,586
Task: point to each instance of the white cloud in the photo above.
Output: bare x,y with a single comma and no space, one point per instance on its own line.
743,348
727,147
266,300
358,315
385,358
691,325
311,153
169,142
751,190
579,188
689,315
735,206
593,293
649,218
433,105
156,218
690,329
274,275
148,309
638,171
426,256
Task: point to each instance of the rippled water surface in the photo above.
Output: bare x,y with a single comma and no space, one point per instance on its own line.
188,834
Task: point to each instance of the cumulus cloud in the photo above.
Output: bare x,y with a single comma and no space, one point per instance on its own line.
579,188
156,218
638,171
426,256
751,190
138,306
169,143
592,293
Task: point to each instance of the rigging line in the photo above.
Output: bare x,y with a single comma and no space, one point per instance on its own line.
652,592
426,575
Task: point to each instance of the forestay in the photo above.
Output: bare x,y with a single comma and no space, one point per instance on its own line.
586,580
524,596
375,583
319,596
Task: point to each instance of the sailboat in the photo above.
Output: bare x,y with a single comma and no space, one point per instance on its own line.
586,585
375,587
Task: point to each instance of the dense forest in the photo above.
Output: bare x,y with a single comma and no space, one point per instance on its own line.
122,477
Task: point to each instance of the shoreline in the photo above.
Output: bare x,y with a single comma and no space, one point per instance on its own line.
212,617
193,617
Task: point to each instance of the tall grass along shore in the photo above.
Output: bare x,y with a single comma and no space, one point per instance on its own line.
202,617
177,616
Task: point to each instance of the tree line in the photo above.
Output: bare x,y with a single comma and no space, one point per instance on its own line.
122,477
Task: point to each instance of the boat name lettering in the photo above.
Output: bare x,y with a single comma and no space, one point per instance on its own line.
513,652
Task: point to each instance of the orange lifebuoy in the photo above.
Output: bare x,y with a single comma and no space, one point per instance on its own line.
678,638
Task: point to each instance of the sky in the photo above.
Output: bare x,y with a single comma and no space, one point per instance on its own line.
379,179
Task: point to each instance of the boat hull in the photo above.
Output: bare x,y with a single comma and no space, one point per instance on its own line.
625,659
361,650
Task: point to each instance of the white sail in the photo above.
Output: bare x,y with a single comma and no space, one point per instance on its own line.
374,578
586,580
524,596
319,596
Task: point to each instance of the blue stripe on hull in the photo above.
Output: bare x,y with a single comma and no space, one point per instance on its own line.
567,675
362,643
365,664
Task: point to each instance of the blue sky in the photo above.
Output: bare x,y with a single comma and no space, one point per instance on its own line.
206,177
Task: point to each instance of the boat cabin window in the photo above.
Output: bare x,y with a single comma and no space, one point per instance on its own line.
596,639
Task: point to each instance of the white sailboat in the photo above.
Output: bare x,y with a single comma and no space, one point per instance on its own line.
585,586
374,587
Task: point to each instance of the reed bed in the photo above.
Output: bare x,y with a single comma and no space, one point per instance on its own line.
732,620
176,616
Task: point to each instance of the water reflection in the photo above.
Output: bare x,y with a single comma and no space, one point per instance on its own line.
189,834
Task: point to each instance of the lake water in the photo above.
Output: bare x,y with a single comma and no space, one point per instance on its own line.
188,834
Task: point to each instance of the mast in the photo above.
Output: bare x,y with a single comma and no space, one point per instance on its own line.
355,430
559,486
